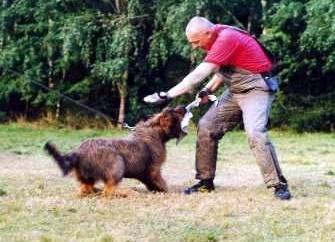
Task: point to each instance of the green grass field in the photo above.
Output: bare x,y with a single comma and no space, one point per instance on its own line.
38,204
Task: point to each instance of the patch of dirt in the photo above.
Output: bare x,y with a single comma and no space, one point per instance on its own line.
178,174
13,165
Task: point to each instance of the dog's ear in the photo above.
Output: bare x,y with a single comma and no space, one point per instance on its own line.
162,120
154,120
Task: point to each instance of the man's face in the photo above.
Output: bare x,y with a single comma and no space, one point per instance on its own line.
202,40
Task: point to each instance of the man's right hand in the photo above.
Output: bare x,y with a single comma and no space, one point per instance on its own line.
158,98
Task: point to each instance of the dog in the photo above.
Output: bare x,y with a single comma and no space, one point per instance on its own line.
139,156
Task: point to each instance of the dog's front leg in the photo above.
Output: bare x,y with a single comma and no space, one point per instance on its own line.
154,185
159,183
154,181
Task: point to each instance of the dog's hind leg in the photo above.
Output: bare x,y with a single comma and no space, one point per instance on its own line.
113,174
86,185
110,190
86,189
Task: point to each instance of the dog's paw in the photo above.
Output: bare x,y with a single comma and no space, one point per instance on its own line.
114,194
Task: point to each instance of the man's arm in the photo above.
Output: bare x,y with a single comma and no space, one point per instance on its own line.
211,86
193,78
214,83
197,75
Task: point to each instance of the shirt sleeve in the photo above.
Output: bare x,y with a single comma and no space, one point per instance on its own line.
222,50
192,79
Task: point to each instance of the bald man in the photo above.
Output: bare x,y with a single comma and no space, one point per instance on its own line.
236,59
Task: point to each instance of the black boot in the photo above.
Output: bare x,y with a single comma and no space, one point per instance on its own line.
202,186
281,192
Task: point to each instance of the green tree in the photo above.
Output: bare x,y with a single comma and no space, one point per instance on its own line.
110,54
298,32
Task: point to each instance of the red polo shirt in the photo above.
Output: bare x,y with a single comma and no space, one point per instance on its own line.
237,49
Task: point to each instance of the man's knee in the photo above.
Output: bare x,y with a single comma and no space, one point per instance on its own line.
257,137
207,128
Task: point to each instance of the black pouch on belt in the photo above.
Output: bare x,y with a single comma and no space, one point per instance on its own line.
271,81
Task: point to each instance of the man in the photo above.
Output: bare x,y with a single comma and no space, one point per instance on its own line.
238,60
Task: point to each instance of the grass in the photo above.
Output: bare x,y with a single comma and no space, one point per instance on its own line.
37,204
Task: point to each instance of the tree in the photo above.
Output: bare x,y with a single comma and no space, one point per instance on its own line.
110,54
298,32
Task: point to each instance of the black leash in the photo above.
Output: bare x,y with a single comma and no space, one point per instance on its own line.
84,106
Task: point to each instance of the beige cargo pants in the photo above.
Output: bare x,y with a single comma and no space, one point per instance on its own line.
247,99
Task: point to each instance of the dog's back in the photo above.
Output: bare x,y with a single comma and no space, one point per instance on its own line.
103,152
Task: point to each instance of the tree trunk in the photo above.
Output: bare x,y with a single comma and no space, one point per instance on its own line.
250,18
122,88
120,6
264,9
117,6
26,110
51,83
266,5
121,110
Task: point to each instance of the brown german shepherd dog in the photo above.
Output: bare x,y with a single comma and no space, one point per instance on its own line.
139,156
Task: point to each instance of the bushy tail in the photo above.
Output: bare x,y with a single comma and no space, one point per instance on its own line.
65,162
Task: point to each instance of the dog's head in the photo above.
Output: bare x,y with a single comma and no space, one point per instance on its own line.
168,122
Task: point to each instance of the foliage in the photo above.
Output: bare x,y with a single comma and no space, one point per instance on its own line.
103,53
299,32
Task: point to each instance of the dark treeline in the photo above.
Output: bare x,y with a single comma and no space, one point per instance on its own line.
109,54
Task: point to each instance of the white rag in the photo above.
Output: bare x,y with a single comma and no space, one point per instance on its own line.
188,116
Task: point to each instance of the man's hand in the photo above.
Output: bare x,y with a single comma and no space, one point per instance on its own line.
158,98
203,95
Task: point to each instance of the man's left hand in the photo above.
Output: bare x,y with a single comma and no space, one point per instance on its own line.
203,95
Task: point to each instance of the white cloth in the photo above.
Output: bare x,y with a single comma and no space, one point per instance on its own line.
188,116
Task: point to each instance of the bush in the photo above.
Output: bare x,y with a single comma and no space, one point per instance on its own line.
304,113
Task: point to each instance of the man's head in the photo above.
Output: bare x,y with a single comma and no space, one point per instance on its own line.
200,33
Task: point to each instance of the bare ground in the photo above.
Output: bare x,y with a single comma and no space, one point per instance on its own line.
38,204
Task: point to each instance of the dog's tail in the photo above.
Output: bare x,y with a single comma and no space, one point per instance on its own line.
65,162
